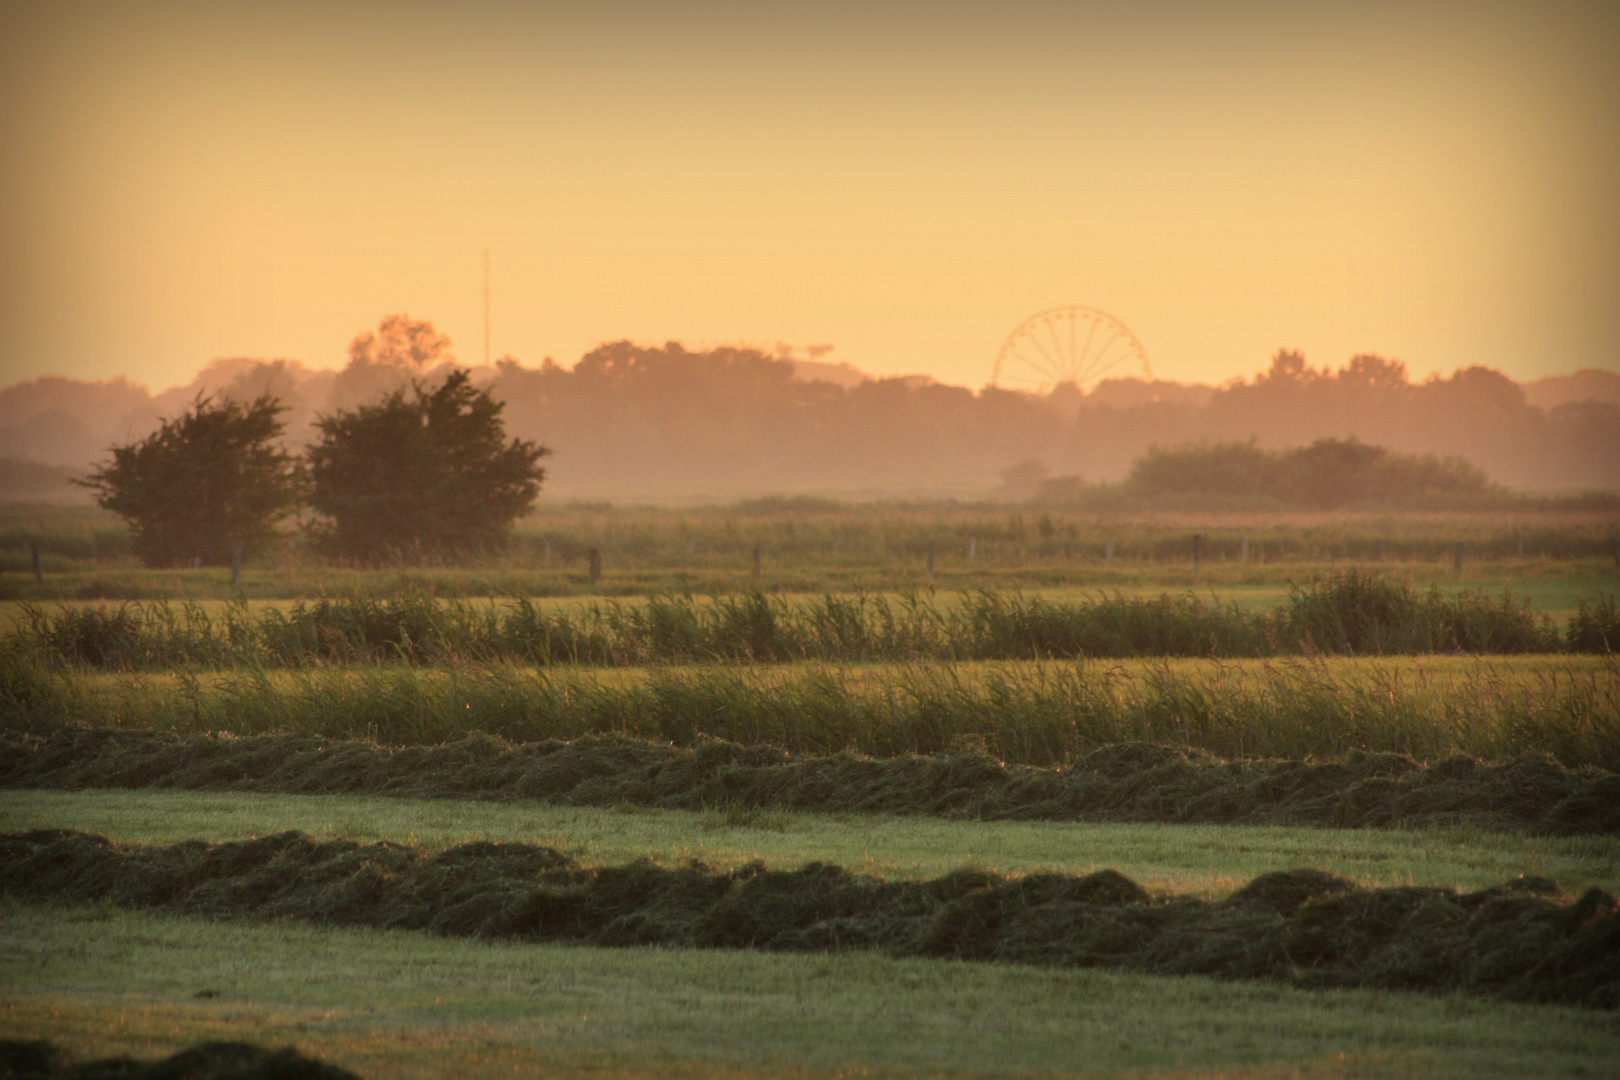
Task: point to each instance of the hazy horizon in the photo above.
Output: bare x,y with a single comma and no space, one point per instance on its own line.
655,423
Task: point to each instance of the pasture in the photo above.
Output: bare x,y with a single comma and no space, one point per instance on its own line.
815,546
1065,703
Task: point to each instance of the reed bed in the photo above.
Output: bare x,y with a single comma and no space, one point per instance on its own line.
1351,612
1034,712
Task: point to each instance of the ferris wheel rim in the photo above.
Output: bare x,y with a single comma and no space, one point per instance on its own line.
1068,366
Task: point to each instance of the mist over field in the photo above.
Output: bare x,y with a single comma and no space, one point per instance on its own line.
668,424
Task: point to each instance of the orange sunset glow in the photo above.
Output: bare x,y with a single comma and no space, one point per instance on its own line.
904,182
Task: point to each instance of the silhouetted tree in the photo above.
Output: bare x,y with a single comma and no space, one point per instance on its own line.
205,482
426,475
401,348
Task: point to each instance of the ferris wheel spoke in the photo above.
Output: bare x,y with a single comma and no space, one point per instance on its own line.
1091,334
1102,362
1065,360
1042,366
1049,348
1052,364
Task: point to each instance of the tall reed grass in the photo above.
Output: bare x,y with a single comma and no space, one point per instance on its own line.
1352,612
1036,712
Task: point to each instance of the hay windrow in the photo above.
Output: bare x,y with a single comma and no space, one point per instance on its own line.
1522,941
38,1059
1127,782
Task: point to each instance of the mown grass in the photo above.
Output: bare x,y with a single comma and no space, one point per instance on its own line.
391,1004
1039,713
1352,612
1208,861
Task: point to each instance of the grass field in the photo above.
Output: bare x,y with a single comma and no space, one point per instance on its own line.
391,1004
1549,587
814,546
395,1004
662,685
1032,712
1201,860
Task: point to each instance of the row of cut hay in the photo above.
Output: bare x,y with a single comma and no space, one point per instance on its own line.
1130,782
40,1059
1353,612
1522,941
1036,713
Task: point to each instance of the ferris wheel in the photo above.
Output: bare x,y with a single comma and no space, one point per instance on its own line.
1078,345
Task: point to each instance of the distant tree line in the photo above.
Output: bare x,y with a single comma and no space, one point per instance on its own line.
664,423
418,474
631,418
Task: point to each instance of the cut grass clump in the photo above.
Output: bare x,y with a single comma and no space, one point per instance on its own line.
39,1059
1128,782
1351,612
1522,941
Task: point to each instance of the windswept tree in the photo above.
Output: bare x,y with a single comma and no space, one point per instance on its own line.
207,484
421,475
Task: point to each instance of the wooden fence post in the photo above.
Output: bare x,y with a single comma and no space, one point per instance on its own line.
933,549
1198,543
1243,550
973,548
1108,552
596,565
1456,559
756,564
236,566
33,555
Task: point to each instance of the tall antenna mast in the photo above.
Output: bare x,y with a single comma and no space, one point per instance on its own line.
486,307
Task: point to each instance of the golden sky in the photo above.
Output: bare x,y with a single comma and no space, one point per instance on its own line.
906,182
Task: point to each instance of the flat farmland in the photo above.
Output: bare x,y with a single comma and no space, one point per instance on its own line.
1067,806
399,1003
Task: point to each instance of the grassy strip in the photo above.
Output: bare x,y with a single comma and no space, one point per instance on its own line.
1520,941
1038,713
1350,612
402,1006
1209,861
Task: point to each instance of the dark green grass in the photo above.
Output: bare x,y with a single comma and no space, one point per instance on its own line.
413,1007
1209,861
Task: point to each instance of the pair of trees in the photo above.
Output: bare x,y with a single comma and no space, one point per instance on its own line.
428,473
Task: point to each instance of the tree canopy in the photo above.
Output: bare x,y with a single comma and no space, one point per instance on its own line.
205,485
429,474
